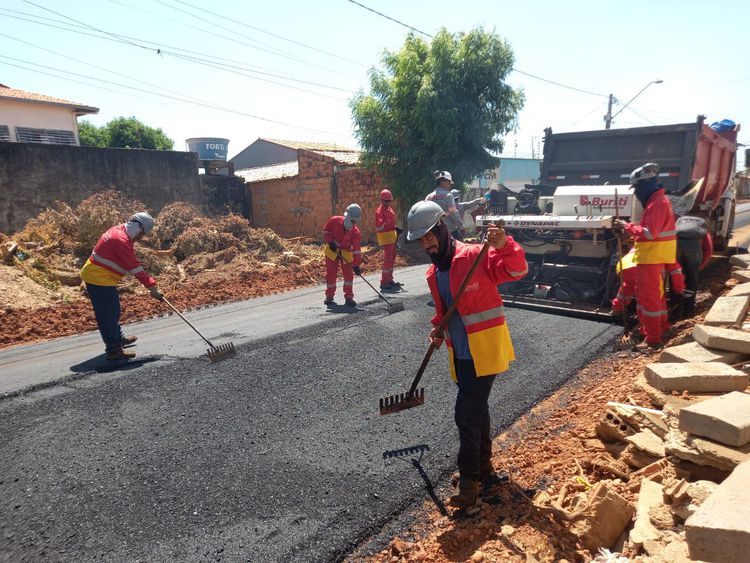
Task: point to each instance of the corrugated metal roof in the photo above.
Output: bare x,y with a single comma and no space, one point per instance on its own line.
309,146
32,97
272,172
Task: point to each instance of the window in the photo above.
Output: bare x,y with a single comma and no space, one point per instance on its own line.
47,136
4,133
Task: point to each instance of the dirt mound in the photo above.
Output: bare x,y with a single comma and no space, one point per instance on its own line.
174,219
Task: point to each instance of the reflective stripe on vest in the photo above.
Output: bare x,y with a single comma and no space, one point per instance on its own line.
483,316
116,267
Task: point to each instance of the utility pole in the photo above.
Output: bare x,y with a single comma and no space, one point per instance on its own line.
608,117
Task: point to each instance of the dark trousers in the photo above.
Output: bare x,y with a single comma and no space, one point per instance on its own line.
690,257
472,416
106,303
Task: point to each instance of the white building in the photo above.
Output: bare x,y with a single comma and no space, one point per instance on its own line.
26,117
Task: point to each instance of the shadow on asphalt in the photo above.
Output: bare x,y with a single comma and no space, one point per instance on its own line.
413,455
100,364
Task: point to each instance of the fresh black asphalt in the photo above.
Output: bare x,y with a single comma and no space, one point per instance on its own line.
279,454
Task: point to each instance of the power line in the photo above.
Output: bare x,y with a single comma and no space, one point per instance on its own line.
381,14
179,99
203,10
514,69
201,61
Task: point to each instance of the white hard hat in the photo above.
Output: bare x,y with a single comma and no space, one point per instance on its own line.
145,220
423,215
645,172
442,175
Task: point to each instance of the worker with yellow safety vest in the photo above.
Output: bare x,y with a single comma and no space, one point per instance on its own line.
342,246
112,258
655,249
479,343
387,233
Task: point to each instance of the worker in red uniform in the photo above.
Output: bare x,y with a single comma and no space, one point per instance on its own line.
655,250
387,233
694,250
342,246
479,343
626,268
112,258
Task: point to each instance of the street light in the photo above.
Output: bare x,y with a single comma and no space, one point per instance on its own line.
609,117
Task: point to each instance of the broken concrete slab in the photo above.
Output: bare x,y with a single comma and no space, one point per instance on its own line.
701,377
605,517
740,260
722,338
740,290
720,529
742,276
695,495
702,451
694,352
727,311
648,442
643,530
664,399
724,419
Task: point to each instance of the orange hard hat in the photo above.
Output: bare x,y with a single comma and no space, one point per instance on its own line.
386,195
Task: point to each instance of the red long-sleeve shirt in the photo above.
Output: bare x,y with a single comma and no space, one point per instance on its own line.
113,257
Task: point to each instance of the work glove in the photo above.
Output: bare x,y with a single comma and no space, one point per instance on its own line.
357,270
333,246
399,230
155,293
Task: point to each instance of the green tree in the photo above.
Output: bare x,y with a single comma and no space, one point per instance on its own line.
124,132
90,135
128,132
443,105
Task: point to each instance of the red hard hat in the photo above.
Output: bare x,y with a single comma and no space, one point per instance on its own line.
386,195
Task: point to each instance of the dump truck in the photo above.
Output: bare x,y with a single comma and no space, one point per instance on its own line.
565,223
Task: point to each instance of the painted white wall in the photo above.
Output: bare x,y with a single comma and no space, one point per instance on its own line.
40,116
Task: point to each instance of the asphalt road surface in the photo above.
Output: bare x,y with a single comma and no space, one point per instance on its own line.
278,454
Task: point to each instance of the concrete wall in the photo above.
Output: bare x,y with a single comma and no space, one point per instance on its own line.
40,116
34,176
302,205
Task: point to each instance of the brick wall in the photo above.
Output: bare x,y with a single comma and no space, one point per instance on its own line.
302,205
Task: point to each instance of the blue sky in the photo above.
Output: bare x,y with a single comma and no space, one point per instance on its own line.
286,69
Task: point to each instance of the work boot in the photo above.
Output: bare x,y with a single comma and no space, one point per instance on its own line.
647,347
468,489
350,302
329,302
128,340
120,354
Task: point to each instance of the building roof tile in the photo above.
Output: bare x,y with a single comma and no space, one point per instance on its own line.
271,172
32,97
310,146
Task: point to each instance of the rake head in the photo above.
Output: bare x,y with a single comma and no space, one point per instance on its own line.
395,306
401,401
221,352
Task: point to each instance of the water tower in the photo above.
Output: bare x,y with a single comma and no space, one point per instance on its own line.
212,153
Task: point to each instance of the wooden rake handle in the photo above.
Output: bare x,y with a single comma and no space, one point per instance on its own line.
187,321
447,317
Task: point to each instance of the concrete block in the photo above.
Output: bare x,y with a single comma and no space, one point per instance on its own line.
649,496
694,352
603,519
727,311
702,377
725,419
722,338
739,290
719,530
661,399
742,276
740,260
705,452
648,442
